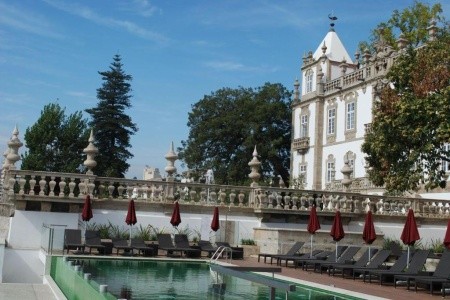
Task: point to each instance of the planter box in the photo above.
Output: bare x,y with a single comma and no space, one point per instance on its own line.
250,250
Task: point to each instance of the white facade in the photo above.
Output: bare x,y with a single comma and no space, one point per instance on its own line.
331,113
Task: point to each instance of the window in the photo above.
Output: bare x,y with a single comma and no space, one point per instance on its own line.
331,121
304,126
302,174
330,171
350,116
309,81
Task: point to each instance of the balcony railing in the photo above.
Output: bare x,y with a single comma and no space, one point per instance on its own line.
301,145
22,186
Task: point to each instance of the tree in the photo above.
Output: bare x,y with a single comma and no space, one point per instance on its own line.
226,126
412,23
112,127
55,142
411,122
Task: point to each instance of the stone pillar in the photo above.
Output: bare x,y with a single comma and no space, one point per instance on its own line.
91,151
171,157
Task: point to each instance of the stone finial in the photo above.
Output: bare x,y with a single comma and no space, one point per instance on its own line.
332,20
346,171
254,165
357,55
432,30
13,153
91,151
171,157
401,42
296,90
367,56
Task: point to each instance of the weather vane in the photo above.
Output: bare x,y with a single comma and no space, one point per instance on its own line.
332,18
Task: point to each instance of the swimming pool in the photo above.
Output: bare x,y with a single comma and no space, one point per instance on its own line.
162,279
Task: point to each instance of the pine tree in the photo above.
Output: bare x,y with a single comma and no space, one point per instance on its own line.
112,126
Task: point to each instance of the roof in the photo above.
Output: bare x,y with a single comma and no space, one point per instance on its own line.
335,49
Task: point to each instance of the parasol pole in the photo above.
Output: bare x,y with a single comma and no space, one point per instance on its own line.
336,250
311,246
407,259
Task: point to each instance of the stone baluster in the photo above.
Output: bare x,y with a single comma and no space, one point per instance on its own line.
349,204
101,190
262,199
11,183
213,197
426,208
90,151
356,203
294,202
42,184
72,185
302,202
52,185
111,189
440,209
193,195
32,185
90,188
310,201
271,199
62,186
335,202
129,191
400,208
120,190
387,208
203,196
222,197
232,197
330,204
287,200
241,198
182,194
408,205
22,182
380,206
278,197
83,188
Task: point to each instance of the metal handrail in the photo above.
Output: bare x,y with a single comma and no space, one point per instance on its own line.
218,253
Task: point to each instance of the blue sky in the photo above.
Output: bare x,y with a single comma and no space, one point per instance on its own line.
176,51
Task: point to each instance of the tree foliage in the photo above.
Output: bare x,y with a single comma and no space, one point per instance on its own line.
112,127
412,23
55,142
226,126
411,122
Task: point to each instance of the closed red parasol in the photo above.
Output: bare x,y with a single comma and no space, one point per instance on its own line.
313,224
447,236
86,215
215,221
369,235
176,219
410,233
131,215
337,230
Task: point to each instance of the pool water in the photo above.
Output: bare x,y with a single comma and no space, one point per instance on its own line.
162,279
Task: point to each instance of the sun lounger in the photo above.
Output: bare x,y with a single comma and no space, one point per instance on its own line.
182,242
93,241
416,264
332,257
142,248
72,240
316,254
345,257
236,252
375,263
361,262
206,246
440,276
292,251
121,244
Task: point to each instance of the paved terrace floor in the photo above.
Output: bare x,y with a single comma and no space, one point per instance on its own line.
374,289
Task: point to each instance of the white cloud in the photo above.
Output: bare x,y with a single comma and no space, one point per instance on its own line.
140,7
23,20
236,66
88,14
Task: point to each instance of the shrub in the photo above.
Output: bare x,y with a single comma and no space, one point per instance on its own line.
248,242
